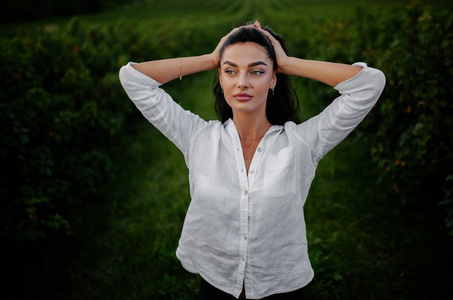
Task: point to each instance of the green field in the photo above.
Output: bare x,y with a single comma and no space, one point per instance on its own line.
364,243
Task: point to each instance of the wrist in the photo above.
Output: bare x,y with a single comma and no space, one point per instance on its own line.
213,61
284,66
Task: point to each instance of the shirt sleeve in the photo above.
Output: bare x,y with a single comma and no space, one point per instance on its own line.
158,107
358,96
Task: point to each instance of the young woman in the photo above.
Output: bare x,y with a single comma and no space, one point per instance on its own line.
250,173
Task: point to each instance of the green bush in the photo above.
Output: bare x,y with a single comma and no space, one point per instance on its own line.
411,131
61,107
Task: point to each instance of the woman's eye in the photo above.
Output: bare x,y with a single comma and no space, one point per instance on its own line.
231,72
257,72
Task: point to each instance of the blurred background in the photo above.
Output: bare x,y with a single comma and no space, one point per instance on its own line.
92,197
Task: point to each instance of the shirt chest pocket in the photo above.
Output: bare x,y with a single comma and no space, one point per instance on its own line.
280,174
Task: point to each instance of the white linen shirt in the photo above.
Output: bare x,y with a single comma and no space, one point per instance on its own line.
249,228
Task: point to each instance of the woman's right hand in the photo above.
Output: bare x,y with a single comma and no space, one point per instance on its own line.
216,53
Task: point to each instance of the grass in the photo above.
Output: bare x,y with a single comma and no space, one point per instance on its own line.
363,244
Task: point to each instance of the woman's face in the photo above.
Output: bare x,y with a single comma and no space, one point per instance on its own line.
246,74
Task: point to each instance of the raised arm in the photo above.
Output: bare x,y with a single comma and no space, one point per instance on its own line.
326,72
166,70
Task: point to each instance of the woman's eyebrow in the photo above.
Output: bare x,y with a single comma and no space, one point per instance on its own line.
257,64
253,64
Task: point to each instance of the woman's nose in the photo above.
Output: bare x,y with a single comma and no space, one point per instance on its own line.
243,81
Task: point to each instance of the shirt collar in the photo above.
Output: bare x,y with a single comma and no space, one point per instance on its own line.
229,125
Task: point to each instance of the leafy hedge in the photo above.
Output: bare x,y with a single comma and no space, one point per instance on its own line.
61,107
413,145
423,152
410,132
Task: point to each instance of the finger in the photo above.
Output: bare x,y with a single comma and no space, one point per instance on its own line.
264,31
256,25
268,35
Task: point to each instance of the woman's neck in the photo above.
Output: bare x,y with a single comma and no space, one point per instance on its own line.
249,127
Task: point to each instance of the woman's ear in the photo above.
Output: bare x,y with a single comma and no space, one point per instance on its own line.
220,76
274,80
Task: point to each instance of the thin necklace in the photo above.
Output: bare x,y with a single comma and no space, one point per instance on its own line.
250,140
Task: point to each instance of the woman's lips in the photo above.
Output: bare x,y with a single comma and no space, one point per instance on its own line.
242,96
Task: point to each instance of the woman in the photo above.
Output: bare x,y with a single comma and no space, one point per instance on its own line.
249,174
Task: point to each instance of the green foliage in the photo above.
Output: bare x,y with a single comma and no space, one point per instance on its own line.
61,107
63,115
413,144
410,131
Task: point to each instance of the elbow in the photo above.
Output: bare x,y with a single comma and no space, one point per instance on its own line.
122,75
376,84
376,87
379,79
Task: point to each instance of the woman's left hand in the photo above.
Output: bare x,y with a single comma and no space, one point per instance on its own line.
280,54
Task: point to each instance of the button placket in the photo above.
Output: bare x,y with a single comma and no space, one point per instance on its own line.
255,163
244,208
246,180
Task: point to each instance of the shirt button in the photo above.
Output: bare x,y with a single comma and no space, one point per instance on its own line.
245,238
246,192
252,171
259,149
